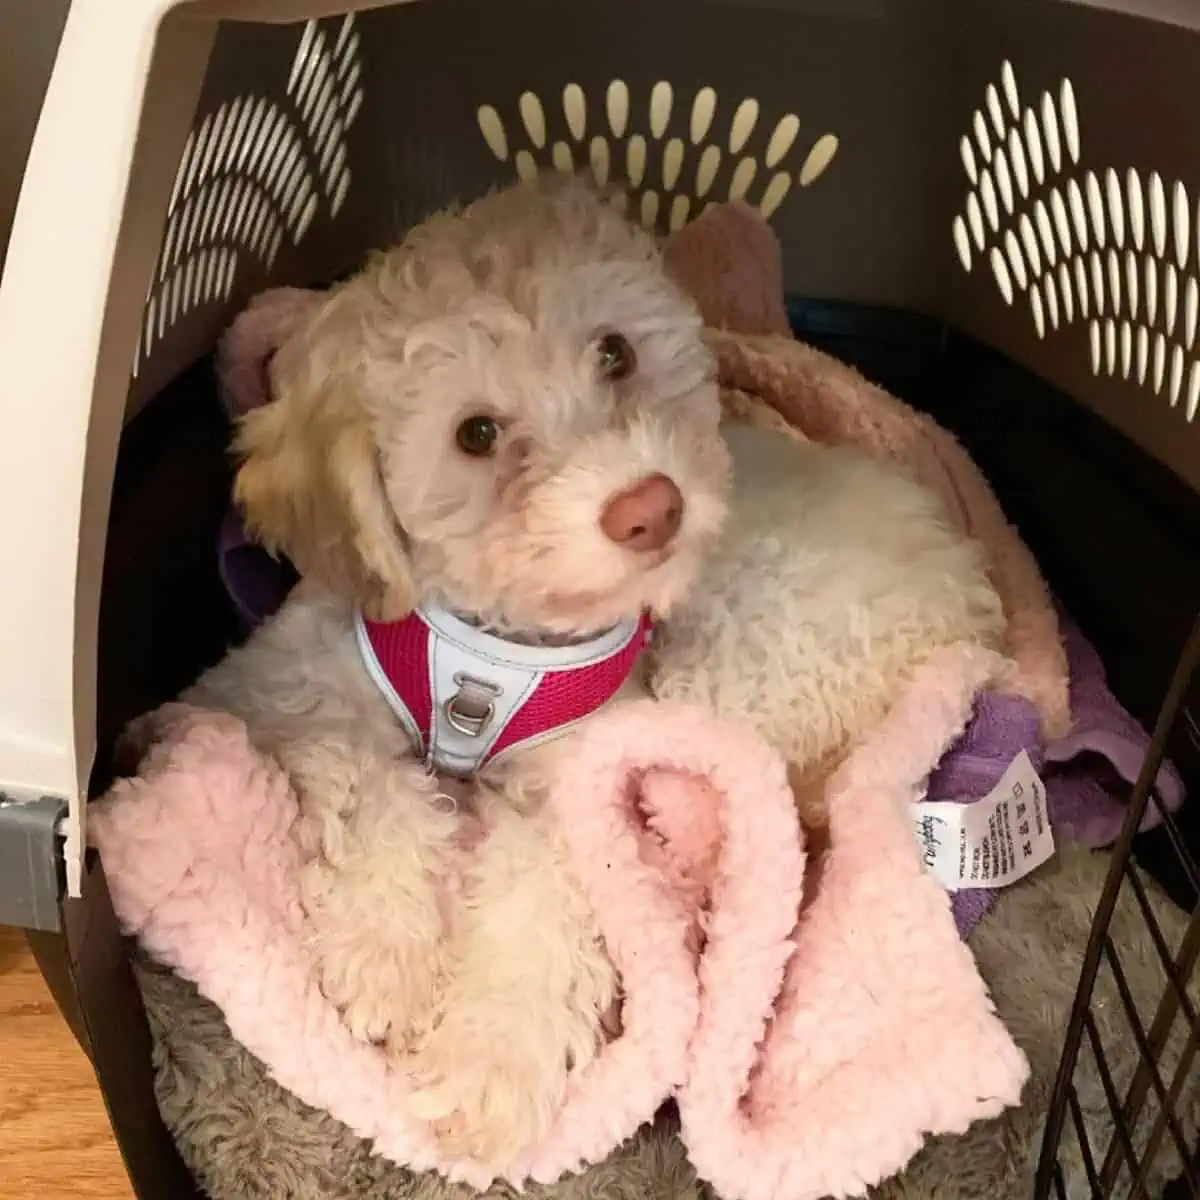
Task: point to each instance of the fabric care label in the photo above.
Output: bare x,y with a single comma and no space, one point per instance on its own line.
990,842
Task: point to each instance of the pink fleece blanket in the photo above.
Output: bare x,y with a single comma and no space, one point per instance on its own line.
811,1040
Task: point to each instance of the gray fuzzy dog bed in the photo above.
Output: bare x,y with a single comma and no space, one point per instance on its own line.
246,1138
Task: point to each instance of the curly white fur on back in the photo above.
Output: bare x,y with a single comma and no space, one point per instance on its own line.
837,574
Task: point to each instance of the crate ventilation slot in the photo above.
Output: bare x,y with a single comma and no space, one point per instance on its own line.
677,158
1109,249
254,175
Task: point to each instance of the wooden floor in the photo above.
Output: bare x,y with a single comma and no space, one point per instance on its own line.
55,1142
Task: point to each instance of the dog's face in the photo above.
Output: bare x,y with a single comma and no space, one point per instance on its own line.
515,408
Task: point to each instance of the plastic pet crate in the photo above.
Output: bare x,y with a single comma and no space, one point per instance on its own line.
992,209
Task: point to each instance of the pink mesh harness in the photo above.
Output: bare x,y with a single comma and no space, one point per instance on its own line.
467,697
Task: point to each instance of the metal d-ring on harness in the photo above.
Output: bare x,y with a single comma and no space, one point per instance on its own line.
471,709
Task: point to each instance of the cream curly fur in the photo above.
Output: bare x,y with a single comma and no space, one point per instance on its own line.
444,920
837,574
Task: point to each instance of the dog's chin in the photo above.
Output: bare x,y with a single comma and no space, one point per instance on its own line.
655,582
559,597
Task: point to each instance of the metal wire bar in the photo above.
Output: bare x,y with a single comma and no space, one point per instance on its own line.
1178,844
1185,1186
1139,1036
1085,1146
1160,1029
1182,1071
1060,1187
1139,798
1110,1094
1165,957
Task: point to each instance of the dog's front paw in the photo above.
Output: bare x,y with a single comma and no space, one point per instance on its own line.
385,994
484,1099
384,975
371,1007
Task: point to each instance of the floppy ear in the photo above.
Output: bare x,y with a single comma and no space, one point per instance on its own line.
309,485
246,348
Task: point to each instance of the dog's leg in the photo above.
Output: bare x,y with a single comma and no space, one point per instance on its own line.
381,847
529,988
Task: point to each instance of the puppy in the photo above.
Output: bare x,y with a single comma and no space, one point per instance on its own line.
838,573
490,454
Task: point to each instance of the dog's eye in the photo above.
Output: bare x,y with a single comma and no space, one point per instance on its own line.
617,359
477,436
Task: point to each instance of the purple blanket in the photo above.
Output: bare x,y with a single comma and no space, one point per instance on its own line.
1087,774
